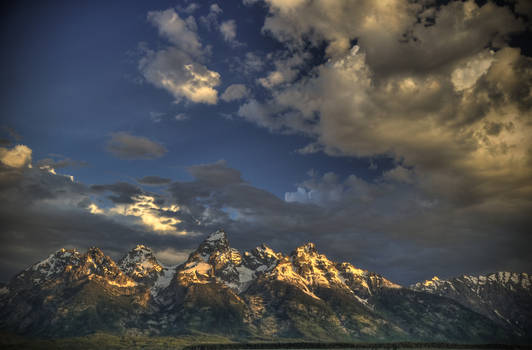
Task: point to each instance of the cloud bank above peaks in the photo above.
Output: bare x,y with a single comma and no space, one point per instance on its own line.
389,225
436,87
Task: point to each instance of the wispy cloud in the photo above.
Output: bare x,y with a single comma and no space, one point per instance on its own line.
126,146
228,31
235,92
154,180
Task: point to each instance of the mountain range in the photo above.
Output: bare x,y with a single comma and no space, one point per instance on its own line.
258,295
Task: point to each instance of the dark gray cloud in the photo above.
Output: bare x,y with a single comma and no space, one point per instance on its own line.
127,146
216,175
42,212
154,180
122,192
59,162
390,226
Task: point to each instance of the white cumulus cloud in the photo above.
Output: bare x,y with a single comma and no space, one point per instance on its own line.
178,68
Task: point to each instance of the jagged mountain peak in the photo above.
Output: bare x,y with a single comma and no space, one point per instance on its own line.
306,257
257,285
266,253
217,236
96,257
141,264
433,282
95,251
63,254
216,241
493,295
95,262
264,247
140,252
261,258
56,262
141,247
308,248
95,254
68,265
503,278
215,262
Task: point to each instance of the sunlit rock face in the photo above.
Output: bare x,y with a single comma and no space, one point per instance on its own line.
318,270
69,266
504,297
141,265
259,292
216,262
61,294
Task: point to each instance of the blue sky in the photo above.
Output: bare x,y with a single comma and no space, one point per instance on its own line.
392,136
78,66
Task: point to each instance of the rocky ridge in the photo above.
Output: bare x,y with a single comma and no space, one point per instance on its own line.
504,297
259,294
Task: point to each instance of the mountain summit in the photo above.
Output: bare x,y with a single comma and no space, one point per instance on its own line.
504,297
256,294
141,265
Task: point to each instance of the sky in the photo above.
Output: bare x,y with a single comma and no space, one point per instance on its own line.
395,135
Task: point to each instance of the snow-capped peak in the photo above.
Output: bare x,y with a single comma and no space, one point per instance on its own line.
510,280
494,295
215,242
141,247
217,236
56,262
70,265
139,254
141,264
262,258
216,261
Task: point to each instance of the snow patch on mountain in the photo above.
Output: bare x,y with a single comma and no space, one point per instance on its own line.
500,296
141,264
216,236
196,269
56,262
504,279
